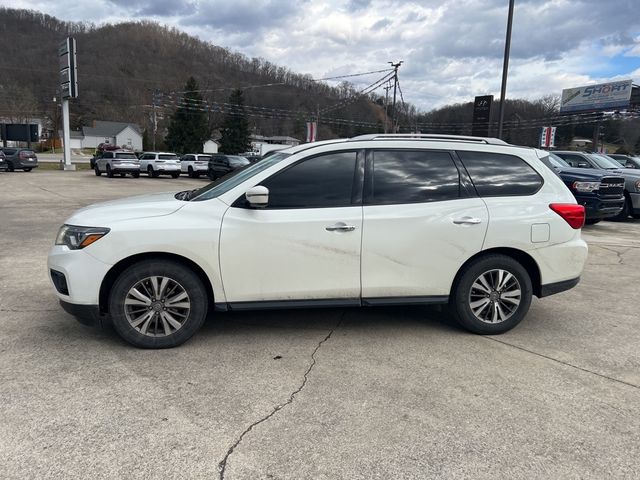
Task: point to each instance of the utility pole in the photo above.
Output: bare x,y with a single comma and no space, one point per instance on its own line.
395,87
387,87
155,117
505,68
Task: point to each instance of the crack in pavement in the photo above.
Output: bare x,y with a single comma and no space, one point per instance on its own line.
617,380
619,254
223,464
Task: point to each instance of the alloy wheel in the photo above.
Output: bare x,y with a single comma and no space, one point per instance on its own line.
495,296
157,306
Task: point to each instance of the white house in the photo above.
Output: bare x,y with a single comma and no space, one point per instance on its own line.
116,133
210,146
262,144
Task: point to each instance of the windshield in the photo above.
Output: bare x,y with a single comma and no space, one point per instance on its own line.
128,156
168,157
235,178
556,161
602,161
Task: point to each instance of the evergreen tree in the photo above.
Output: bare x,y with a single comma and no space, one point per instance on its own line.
188,128
235,128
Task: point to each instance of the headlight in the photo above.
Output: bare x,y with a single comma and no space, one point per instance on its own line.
585,187
79,237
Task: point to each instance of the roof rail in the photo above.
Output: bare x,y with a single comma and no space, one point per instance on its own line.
428,136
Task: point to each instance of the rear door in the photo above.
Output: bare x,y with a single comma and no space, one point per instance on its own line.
421,221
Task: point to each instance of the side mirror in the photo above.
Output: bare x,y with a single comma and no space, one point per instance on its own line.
257,196
629,165
583,165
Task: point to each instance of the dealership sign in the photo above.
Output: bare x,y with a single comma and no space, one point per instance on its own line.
596,97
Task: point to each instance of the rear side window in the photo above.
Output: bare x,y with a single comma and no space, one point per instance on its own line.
405,176
322,181
500,175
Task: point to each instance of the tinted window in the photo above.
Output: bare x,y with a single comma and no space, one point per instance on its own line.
413,177
203,158
238,161
168,157
323,181
107,155
499,175
572,159
128,156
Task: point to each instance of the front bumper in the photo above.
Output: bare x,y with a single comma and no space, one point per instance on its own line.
635,202
83,275
597,208
85,314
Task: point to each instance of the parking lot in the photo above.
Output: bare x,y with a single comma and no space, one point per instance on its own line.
330,393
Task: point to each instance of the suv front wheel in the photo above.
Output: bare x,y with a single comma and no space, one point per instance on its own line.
492,296
157,304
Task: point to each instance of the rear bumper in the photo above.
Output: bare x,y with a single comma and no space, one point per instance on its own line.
557,287
23,164
125,168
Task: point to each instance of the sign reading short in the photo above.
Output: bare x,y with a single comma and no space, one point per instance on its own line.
596,97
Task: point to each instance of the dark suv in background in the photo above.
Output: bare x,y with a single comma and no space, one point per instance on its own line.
601,194
20,159
604,163
220,165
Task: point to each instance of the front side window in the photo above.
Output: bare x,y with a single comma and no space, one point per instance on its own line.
322,181
403,176
500,175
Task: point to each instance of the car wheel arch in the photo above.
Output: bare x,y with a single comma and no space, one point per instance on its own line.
520,256
115,271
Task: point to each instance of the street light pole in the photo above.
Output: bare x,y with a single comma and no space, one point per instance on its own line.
505,68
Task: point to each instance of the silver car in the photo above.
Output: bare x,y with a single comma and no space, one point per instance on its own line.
118,162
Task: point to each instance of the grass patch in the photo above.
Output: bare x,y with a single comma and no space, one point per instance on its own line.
56,166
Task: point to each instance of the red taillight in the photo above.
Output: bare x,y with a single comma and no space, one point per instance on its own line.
571,213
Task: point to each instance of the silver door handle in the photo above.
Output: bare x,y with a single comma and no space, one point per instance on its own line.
340,227
467,221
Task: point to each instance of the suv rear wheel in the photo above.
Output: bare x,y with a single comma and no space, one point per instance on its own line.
109,172
157,304
97,170
492,296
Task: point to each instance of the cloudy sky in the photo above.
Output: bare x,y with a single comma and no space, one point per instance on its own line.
452,49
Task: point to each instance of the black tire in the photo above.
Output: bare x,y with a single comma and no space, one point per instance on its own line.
211,175
175,175
592,221
27,169
635,215
461,296
109,171
135,174
151,172
10,166
177,272
123,175
97,170
190,172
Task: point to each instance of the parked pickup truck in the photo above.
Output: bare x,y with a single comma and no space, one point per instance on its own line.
608,166
601,194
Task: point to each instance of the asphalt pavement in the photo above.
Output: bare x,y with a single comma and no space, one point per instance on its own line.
376,393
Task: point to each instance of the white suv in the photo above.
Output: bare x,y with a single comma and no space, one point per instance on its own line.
195,164
373,220
157,163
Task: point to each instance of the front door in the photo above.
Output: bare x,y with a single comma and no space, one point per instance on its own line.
305,245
